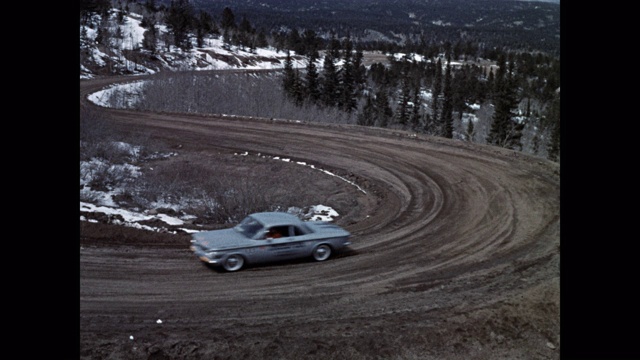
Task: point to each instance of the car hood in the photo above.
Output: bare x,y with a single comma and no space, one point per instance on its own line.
220,239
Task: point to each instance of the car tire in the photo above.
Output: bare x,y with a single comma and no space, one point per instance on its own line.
233,263
322,252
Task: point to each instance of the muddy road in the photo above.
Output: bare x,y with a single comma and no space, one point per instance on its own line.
455,255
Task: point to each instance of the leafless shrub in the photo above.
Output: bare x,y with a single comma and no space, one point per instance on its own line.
174,183
217,193
234,198
223,191
237,94
535,137
104,176
483,125
99,140
95,133
92,197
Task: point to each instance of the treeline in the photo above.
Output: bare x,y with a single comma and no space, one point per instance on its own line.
433,95
242,94
436,90
187,27
531,26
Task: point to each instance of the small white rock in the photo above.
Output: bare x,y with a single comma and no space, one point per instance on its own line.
159,321
550,345
131,337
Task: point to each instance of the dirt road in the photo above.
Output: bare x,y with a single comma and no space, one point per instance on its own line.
456,255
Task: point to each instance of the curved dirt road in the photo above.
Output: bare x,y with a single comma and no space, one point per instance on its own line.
456,253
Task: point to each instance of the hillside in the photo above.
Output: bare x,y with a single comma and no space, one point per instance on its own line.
455,255
456,244
516,25
126,56
530,25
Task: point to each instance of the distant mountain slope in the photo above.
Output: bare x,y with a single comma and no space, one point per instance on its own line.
515,24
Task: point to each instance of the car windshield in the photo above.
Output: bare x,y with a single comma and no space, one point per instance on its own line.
248,227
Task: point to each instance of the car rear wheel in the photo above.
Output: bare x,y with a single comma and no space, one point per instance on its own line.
322,252
233,263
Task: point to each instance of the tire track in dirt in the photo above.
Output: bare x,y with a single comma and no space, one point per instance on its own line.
446,228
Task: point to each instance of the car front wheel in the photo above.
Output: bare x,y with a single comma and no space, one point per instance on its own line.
233,263
322,252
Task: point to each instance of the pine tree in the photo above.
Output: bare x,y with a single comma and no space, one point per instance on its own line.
245,33
433,124
289,78
245,26
149,39
150,5
298,89
402,111
261,39
347,49
499,78
367,116
553,118
226,39
179,19
347,100
102,33
310,43
334,47
204,26
89,7
330,81
464,86
490,85
447,104
505,131
312,82
294,42
228,19
417,105
383,111
359,71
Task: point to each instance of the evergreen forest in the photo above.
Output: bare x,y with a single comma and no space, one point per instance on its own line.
482,85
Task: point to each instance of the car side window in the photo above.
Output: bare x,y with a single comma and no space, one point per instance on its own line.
277,232
297,231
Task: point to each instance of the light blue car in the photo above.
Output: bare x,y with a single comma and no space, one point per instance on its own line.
268,237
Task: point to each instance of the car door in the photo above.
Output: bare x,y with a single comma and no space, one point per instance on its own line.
301,243
281,246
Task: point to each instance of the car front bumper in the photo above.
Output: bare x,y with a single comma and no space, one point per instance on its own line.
203,256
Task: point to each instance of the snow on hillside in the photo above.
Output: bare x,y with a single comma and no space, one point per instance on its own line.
214,55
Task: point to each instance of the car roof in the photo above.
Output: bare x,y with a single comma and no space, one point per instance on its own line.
269,219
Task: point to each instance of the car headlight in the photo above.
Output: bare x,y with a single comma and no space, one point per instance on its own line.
214,254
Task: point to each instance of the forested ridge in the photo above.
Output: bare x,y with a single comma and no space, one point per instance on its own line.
464,87
491,23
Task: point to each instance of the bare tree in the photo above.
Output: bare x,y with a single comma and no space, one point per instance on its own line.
238,94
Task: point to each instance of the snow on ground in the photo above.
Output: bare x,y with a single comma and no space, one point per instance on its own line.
132,218
102,201
261,58
236,57
302,163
